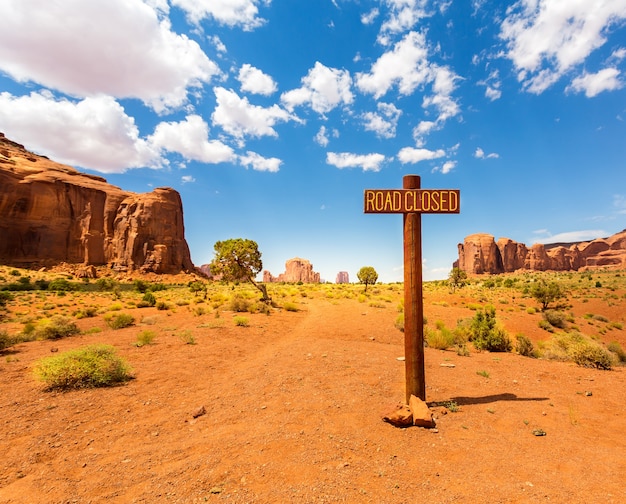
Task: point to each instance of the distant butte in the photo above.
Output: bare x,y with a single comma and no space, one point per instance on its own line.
296,270
480,253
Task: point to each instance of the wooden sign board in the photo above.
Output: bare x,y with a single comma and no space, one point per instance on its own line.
412,200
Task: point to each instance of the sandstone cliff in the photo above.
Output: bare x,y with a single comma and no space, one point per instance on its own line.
479,253
296,270
51,213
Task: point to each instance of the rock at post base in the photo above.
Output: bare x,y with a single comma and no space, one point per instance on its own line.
399,417
422,416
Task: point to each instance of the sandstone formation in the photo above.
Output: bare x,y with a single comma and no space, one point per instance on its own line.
51,213
480,253
296,270
342,277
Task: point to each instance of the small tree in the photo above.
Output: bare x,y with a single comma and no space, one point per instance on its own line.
237,260
367,275
456,278
546,293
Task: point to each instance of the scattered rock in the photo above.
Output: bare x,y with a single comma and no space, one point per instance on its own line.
422,416
588,393
447,364
539,432
400,417
199,412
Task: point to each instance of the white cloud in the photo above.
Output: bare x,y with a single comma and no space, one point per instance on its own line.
259,163
547,38
187,179
413,155
369,17
593,84
480,154
571,236
242,13
321,138
93,133
447,167
190,138
255,81
323,89
118,47
218,44
406,66
239,118
403,16
383,122
492,85
367,162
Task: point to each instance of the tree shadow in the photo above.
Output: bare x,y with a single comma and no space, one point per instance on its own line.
466,401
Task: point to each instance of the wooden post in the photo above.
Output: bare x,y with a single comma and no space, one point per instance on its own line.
412,202
413,300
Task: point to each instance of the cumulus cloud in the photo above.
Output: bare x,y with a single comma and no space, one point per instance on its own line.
323,89
480,154
547,38
260,163
255,81
492,85
383,122
406,66
594,84
369,17
239,118
447,167
403,16
367,162
322,136
187,179
158,66
243,13
96,132
190,139
415,155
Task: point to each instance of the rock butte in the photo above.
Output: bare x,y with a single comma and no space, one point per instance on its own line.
296,270
480,253
52,213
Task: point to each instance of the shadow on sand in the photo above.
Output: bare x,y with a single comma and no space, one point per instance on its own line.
466,401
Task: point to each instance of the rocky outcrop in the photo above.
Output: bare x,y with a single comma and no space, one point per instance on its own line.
51,213
296,270
342,277
479,253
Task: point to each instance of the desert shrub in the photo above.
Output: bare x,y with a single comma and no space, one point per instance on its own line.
241,321
486,334
86,312
399,322
6,341
141,286
119,320
145,338
441,338
55,328
197,286
162,305
524,346
592,355
61,285
617,349
188,337
91,366
5,297
148,299
238,303
545,325
555,318
106,284
531,310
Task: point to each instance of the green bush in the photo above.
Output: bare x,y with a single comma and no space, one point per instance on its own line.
555,318
61,285
241,321
87,367
486,335
591,355
5,297
55,328
239,304
292,307
148,299
162,305
617,349
399,322
119,320
145,338
440,338
6,341
524,346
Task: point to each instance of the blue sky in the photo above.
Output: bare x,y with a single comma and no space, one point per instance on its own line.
271,117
